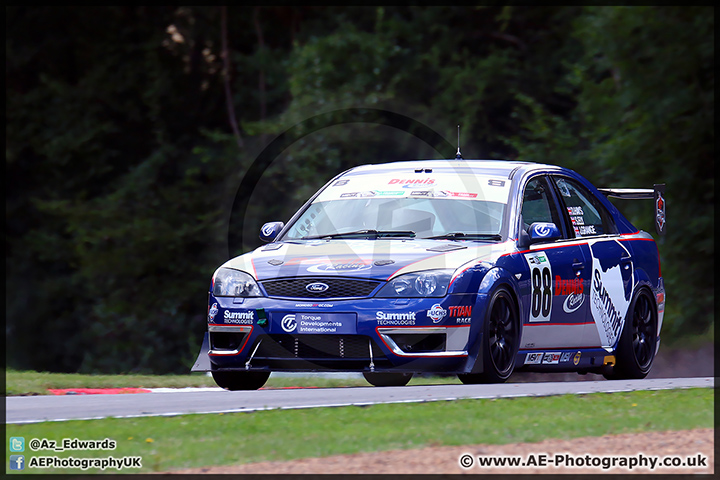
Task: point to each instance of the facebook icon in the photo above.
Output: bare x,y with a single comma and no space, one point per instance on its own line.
17,462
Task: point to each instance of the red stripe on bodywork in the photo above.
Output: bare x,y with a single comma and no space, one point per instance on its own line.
583,241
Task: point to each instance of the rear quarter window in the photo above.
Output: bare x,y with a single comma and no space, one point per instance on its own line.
587,215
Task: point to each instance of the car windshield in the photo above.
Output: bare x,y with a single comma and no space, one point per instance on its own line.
447,218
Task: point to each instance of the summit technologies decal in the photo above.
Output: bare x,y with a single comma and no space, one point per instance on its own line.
608,300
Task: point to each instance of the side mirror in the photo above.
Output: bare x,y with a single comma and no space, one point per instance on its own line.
543,232
269,231
539,232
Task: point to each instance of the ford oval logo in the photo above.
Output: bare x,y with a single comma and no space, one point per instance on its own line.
317,287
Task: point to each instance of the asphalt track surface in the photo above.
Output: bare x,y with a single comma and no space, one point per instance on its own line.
169,402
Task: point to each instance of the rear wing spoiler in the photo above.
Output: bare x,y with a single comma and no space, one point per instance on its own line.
657,193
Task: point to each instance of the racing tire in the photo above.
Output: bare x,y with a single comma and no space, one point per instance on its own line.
240,380
386,379
636,349
501,340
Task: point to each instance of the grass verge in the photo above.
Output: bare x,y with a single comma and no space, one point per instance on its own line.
191,441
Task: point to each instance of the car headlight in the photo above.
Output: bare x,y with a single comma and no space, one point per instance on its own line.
234,283
428,283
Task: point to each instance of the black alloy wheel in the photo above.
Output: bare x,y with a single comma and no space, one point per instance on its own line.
638,341
500,340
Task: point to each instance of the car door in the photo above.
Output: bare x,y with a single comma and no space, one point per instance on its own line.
611,262
558,278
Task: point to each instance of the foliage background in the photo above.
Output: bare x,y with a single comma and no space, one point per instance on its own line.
122,164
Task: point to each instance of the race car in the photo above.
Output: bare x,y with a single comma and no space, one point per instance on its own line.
474,268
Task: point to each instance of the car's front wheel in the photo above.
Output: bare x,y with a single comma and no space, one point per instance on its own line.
638,340
240,380
384,379
501,338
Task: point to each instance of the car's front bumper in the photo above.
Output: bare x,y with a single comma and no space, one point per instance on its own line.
401,335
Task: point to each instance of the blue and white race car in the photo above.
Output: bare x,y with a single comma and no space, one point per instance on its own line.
470,267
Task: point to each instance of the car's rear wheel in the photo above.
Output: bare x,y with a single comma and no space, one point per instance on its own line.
240,380
638,340
501,338
385,379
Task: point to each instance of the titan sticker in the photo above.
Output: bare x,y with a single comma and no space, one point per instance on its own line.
461,313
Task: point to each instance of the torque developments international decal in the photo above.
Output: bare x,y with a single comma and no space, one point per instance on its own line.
437,313
212,311
288,323
609,301
326,323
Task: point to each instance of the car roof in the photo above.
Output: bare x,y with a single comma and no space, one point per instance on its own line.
503,168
